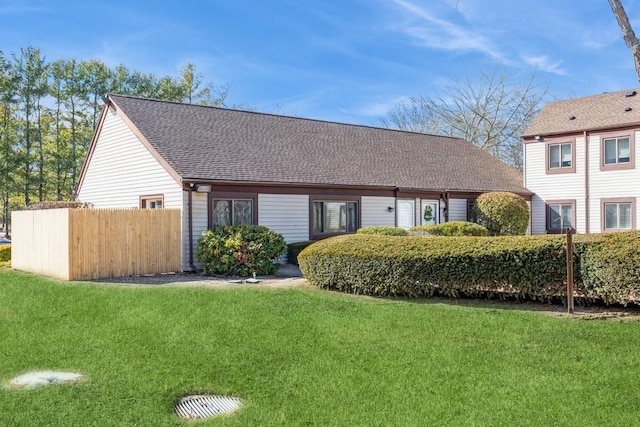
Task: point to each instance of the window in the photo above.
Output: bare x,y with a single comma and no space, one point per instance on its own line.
617,152
232,212
152,202
334,217
560,215
618,214
560,157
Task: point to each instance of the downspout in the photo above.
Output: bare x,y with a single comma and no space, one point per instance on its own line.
395,207
586,181
445,197
190,220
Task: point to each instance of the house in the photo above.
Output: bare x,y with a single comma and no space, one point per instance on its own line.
580,163
306,179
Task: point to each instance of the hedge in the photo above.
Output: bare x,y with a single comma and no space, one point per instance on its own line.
5,253
383,231
607,267
451,228
503,213
294,249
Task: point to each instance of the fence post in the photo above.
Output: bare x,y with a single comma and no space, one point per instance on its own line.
570,232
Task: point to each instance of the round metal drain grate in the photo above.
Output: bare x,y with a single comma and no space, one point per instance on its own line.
203,406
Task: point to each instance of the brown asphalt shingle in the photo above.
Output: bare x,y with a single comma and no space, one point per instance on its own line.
607,110
211,143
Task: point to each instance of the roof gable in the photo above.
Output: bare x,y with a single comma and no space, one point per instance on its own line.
604,111
219,144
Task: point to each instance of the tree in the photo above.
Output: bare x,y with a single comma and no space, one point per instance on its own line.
627,32
491,114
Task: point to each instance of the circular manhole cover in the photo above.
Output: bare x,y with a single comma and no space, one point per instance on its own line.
203,406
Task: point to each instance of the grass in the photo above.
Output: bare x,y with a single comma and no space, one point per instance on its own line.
305,357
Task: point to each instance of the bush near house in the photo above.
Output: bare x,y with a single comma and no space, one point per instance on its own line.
502,213
5,254
383,231
240,250
294,249
607,267
451,228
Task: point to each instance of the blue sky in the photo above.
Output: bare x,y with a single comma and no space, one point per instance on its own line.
340,60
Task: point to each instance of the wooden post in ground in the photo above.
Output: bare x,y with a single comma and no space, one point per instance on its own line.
570,270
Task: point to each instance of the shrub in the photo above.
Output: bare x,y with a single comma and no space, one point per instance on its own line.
384,231
610,267
5,253
240,250
451,228
502,213
524,267
293,249
59,204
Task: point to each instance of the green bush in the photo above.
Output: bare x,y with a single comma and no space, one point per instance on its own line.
523,267
606,266
293,249
5,253
609,267
384,231
451,228
502,213
240,250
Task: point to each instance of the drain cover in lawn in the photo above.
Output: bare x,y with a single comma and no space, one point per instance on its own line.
203,406
43,378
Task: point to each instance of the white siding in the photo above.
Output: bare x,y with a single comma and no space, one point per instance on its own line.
457,209
199,224
375,211
612,183
556,186
287,214
122,170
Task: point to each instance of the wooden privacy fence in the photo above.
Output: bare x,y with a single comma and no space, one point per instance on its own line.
85,244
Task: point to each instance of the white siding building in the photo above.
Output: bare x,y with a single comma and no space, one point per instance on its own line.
580,164
306,179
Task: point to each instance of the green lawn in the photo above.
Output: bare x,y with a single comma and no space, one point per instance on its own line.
305,357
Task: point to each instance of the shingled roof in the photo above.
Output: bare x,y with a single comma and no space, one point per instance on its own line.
219,144
597,112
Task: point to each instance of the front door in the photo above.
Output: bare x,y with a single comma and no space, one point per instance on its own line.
406,213
429,212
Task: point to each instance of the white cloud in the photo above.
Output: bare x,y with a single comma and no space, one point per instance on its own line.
435,32
543,63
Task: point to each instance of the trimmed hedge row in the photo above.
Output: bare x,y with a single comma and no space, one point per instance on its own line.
524,267
5,253
382,230
451,228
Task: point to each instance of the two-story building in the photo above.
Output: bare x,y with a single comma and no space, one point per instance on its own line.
580,163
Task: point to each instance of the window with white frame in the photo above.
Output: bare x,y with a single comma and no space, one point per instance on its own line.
617,150
618,215
560,216
560,156
232,212
152,202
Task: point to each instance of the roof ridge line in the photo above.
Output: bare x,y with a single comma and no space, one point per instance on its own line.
141,98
